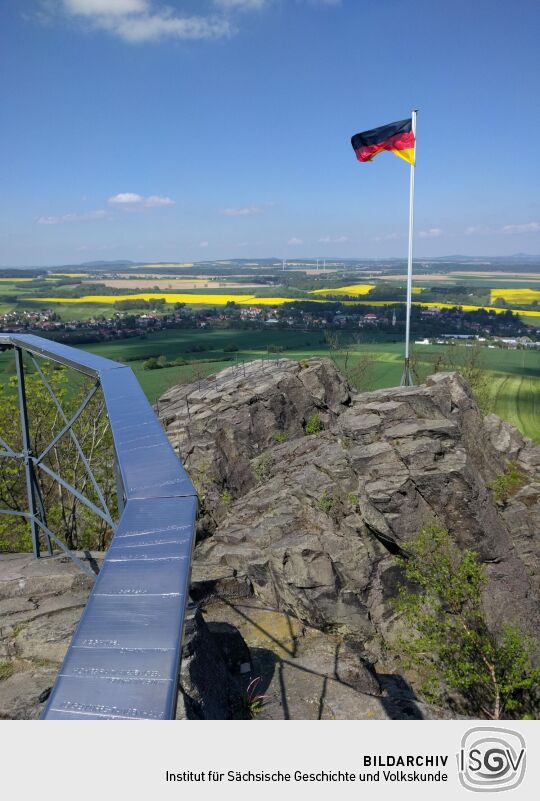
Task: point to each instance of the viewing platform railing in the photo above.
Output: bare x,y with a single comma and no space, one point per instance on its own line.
124,659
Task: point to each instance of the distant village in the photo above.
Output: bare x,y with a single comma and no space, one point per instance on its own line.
430,325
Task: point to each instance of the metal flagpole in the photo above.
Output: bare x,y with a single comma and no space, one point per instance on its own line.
406,379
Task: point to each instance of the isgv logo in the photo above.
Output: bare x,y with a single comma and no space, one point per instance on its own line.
491,759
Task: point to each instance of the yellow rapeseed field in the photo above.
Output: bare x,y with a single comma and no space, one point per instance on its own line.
172,297
16,280
164,266
354,289
252,300
515,296
68,275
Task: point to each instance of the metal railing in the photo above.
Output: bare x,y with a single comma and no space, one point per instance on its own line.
124,658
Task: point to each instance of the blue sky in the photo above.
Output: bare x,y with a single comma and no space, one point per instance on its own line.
207,129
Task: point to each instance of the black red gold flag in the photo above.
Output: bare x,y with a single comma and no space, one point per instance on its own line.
397,137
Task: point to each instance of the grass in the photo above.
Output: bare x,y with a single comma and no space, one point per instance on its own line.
514,374
156,382
517,400
507,483
6,670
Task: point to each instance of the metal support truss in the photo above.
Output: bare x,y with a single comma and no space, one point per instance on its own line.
36,513
68,427
124,659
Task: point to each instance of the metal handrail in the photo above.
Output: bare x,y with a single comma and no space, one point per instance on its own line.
124,658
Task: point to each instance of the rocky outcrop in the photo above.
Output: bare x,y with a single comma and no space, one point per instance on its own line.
219,425
41,602
312,523
295,565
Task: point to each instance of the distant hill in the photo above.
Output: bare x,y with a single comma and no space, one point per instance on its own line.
523,262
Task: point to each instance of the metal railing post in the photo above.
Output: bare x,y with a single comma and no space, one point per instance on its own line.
120,499
27,452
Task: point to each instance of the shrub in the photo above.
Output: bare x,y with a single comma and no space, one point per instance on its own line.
313,424
280,436
326,502
262,466
448,641
505,484
155,363
226,497
353,500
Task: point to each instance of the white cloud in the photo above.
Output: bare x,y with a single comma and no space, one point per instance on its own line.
88,216
295,241
138,21
133,200
112,7
152,27
242,211
203,244
157,200
431,233
521,228
240,5
126,197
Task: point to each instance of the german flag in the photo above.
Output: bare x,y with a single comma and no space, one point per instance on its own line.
397,137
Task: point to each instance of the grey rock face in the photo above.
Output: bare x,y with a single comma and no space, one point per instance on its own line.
40,605
218,426
313,523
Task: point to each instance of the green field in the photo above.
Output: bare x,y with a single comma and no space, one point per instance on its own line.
515,374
